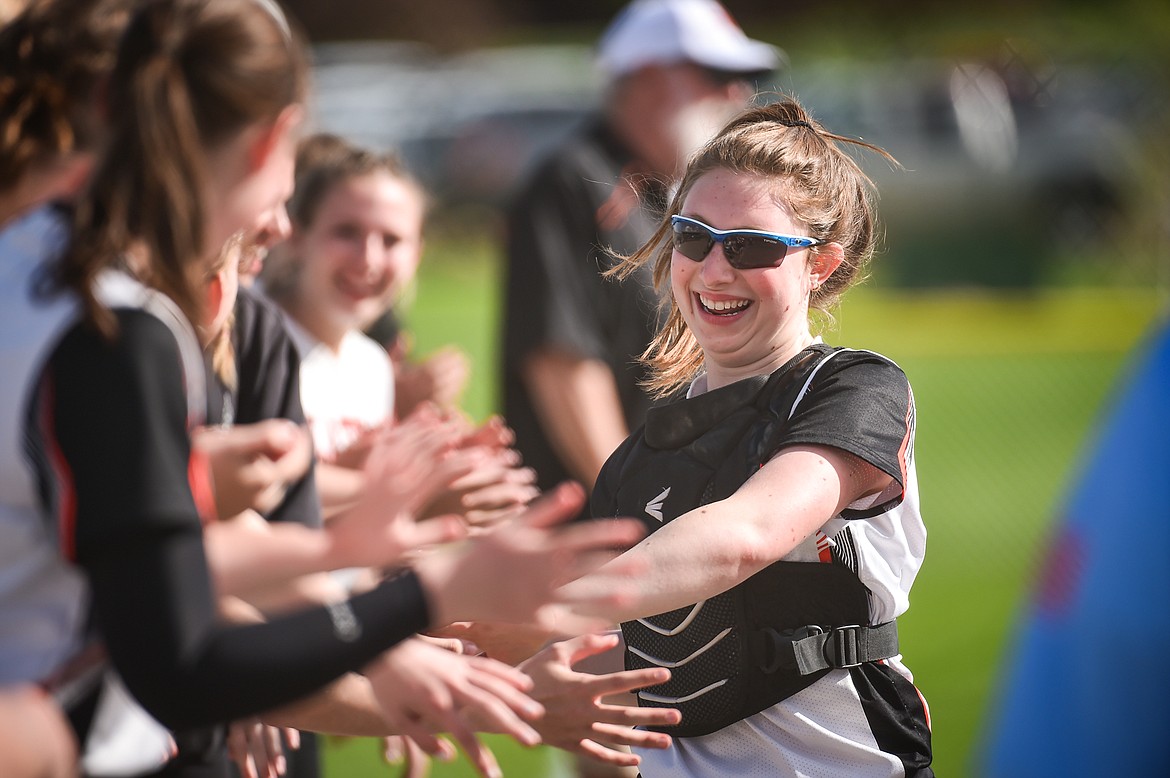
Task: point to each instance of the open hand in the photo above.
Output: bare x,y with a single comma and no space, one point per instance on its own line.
575,717
424,690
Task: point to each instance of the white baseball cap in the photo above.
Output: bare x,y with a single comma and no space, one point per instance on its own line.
664,32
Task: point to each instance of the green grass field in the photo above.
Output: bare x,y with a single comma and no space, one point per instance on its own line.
1007,389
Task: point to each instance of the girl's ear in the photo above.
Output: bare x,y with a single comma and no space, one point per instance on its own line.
282,130
214,294
825,261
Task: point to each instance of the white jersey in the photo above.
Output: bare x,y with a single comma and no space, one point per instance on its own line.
344,393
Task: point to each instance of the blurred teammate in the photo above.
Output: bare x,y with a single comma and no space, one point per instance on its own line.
121,387
675,70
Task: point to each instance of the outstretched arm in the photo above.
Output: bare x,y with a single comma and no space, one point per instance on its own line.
714,547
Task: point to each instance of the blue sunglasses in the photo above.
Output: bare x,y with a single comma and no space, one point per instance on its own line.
744,249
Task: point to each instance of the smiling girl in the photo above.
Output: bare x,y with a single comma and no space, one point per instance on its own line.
356,242
778,483
357,239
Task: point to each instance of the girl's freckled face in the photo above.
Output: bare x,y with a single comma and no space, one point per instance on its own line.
743,319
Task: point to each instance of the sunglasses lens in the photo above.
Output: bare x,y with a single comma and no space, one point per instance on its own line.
753,251
692,242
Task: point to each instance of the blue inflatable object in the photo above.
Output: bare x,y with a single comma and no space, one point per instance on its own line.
1087,691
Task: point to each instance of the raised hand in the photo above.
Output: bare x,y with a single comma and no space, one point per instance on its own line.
497,490
513,573
408,466
424,690
575,717
252,465
258,749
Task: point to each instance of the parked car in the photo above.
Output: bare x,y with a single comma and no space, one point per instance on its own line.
998,179
1002,170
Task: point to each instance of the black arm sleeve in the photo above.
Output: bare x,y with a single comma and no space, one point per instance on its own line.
117,417
268,369
153,605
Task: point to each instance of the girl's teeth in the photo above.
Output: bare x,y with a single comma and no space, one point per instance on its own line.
723,305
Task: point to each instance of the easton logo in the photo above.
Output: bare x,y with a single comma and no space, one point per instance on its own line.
654,507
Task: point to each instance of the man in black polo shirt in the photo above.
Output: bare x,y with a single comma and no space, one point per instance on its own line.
676,70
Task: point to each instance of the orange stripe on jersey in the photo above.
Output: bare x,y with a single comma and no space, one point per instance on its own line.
925,708
903,465
202,489
824,548
66,495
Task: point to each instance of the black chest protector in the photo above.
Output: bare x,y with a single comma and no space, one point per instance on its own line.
732,655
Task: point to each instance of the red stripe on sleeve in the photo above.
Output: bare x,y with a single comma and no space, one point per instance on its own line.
202,489
903,465
63,488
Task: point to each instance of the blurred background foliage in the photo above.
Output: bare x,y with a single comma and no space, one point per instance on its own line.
1027,243
1032,133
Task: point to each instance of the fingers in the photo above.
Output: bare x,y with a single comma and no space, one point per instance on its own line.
556,507
410,727
638,738
480,522
494,708
480,755
610,756
239,750
499,495
493,433
561,621
396,748
496,466
272,750
517,679
454,645
585,646
268,752
256,750
608,534
626,681
635,716
418,761
253,464
429,532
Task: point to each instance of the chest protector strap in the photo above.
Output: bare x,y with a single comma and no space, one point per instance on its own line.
746,649
759,643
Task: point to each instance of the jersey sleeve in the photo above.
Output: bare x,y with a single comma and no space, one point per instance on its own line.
603,499
113,418
553,280
861,403
269,388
